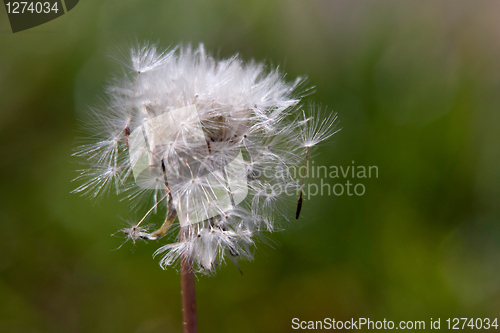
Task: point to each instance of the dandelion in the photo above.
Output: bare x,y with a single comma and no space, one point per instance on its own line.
205,141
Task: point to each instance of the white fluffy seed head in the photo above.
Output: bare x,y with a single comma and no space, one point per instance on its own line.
211,140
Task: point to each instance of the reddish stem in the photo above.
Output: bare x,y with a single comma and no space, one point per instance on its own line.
190,323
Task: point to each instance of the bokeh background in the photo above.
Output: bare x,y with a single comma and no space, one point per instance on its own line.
416,87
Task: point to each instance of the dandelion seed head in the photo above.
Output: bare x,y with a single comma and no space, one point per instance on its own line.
207,142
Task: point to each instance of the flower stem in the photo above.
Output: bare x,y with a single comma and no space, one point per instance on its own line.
190,324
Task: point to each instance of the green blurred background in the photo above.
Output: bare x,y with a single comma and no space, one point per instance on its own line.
416,87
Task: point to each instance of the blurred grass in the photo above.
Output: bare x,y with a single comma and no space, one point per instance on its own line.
415,85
